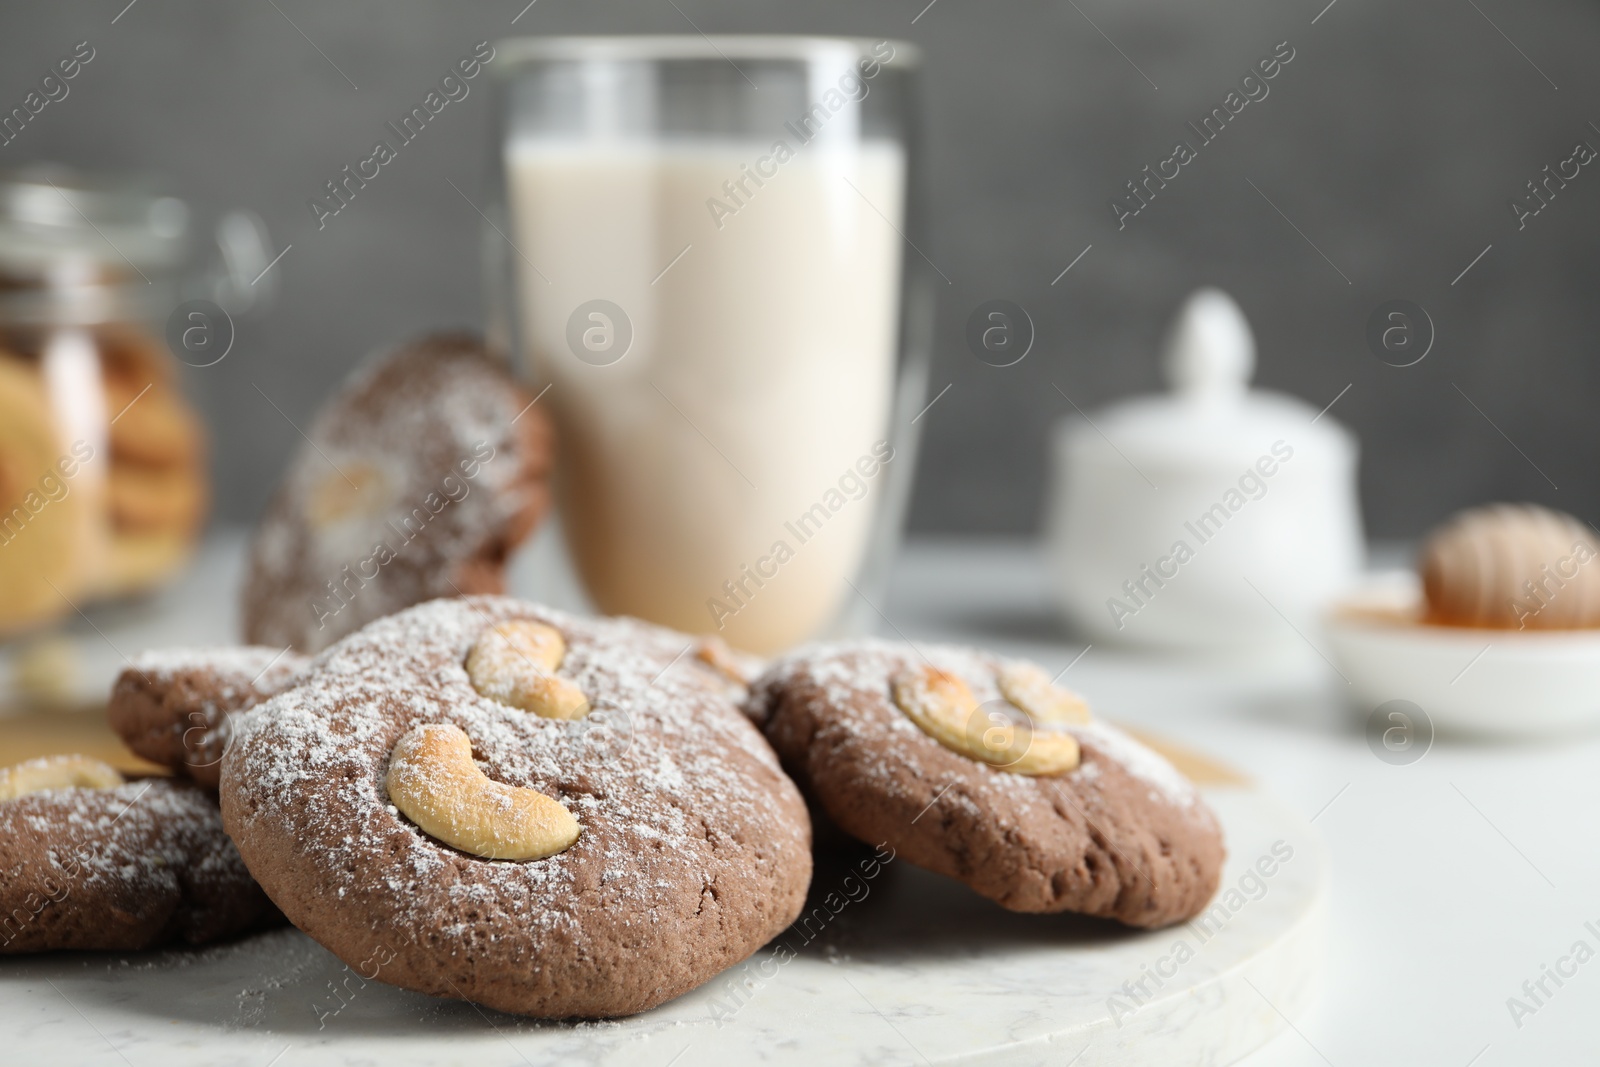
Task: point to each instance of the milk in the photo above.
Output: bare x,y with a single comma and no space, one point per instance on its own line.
761,369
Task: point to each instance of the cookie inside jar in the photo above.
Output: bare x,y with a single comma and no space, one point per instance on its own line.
103,462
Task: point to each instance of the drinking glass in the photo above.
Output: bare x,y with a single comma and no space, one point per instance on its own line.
706,264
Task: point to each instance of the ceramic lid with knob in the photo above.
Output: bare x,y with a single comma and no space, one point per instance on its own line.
1210,414
1212,516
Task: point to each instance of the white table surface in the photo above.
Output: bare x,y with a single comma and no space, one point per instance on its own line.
1455,878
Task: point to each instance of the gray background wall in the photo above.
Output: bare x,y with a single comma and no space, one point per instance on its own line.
1393,141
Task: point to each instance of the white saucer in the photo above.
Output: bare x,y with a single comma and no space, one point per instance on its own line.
1491,683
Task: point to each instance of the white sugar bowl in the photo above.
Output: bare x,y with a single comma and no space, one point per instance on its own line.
1212,518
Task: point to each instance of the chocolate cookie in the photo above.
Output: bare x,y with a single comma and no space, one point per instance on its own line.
90,862
601,833
175,707
980,769
416,482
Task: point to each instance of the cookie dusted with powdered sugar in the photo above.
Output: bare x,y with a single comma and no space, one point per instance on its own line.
175,707
488,800
88,861
417,480
981,769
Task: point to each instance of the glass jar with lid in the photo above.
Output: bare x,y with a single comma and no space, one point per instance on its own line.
103,485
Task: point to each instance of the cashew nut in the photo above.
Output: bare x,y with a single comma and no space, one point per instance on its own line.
515,663
356,490
1029,688
57,772
942,705
434,781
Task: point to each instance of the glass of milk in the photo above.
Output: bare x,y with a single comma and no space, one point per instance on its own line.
705,249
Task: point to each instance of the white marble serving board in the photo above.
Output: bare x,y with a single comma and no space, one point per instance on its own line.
916,969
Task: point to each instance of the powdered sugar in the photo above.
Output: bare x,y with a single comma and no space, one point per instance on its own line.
1143,763
154,818
235,668
426,460
673,790
847,669
149,847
